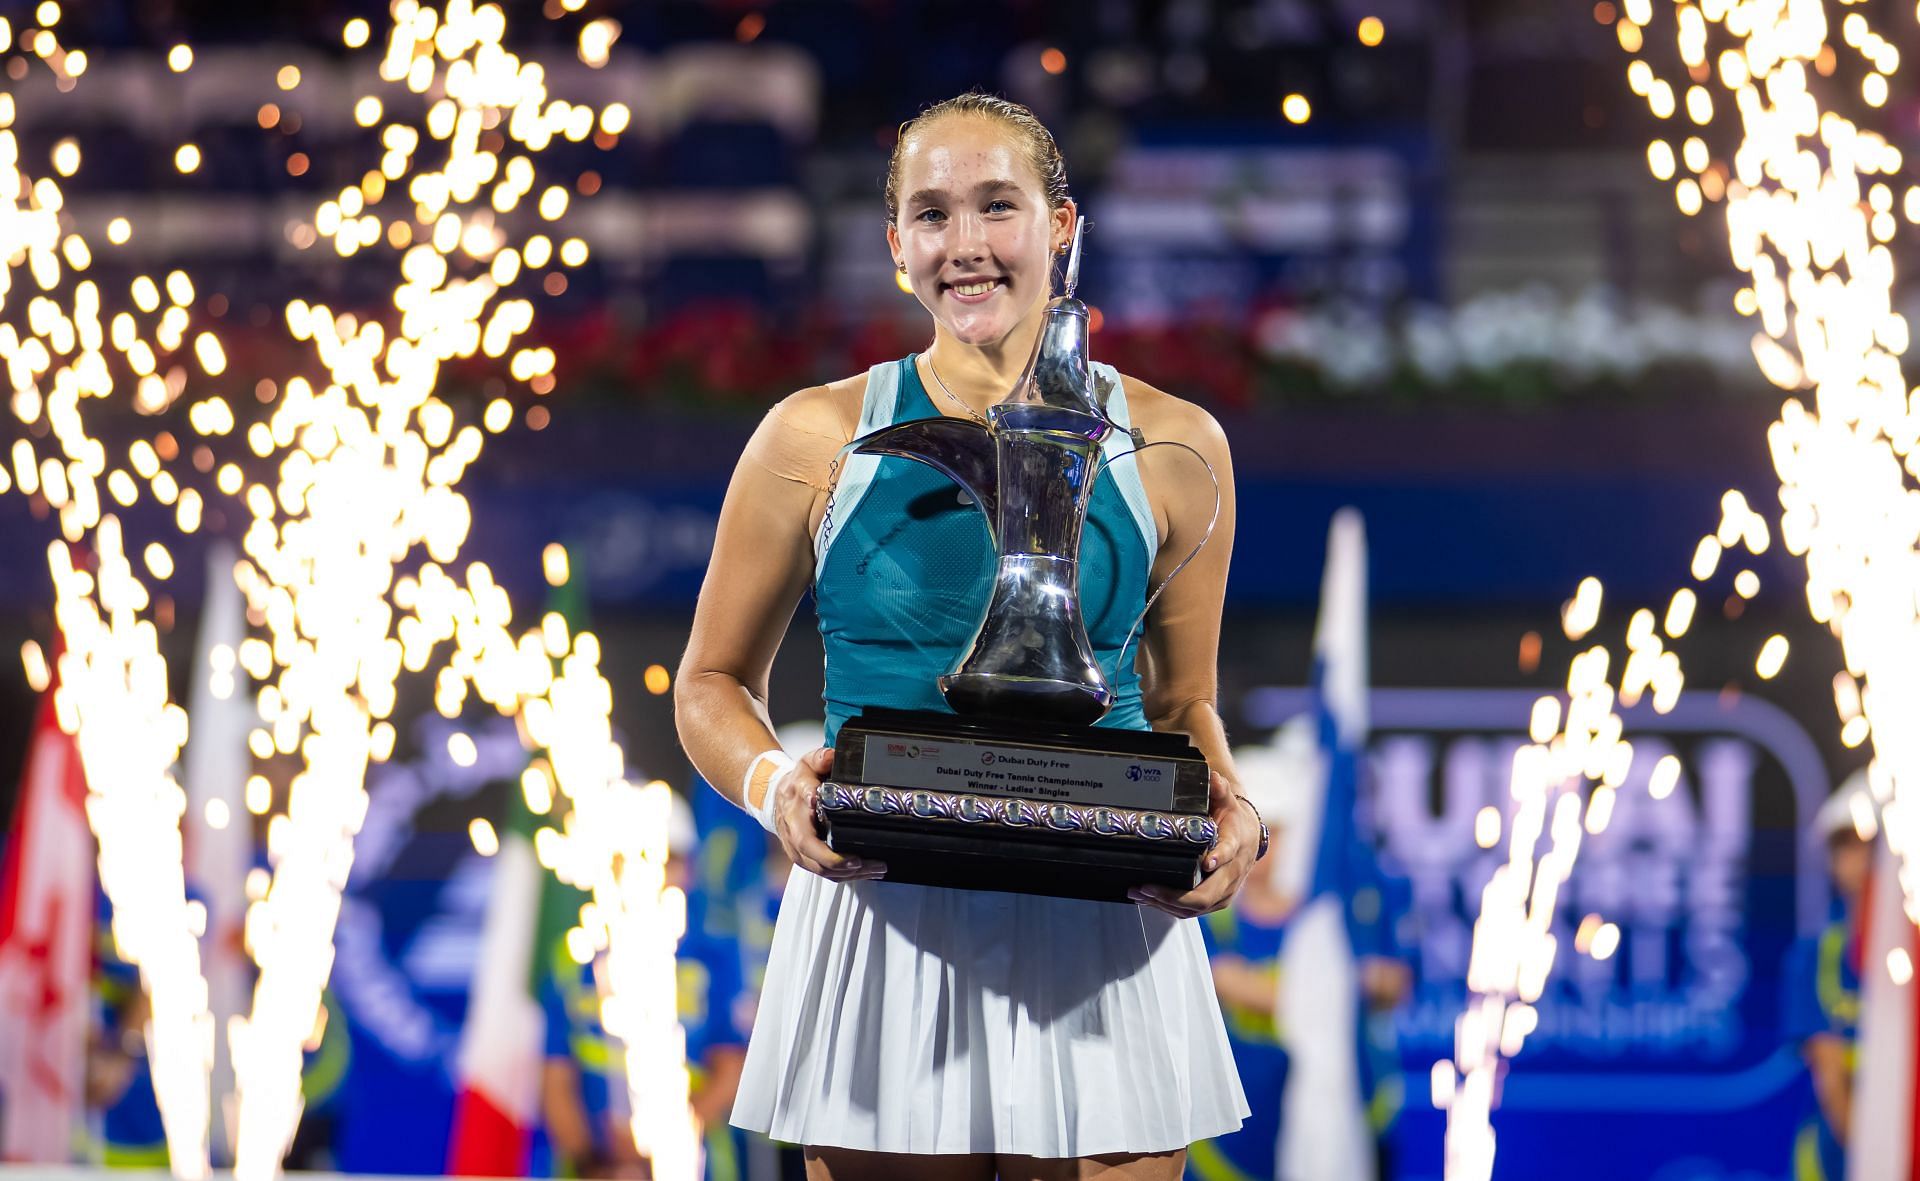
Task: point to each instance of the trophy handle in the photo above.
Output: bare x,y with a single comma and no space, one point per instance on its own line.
1193,553
960,450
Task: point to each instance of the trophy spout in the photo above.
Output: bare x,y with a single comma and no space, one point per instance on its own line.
962,451
1059,374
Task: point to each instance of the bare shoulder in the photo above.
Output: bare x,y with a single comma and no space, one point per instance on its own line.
801,437
830,411
1160,415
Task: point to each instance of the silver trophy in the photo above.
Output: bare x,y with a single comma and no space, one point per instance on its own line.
1017,790
1031,470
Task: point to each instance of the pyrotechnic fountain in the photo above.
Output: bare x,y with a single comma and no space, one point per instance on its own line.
367,459
1810,219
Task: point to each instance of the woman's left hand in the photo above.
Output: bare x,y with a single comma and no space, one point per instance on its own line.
1226,865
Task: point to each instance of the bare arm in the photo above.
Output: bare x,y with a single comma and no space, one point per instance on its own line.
713,1101
1826,1057
762,562
755,578
565,1114
1180,650
1237,982
1181,680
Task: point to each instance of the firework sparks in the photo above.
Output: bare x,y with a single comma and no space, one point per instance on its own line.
613,843
1577,756
113,680
611,837
1514,947
1810,217
368,470
112,697
367,460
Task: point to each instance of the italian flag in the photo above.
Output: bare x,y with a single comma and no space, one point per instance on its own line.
1886,1099
502,1044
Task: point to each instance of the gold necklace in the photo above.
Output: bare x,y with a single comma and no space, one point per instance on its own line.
941,382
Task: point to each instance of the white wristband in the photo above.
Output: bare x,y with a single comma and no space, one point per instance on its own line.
760,787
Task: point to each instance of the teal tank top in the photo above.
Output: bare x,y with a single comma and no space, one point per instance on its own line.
903,566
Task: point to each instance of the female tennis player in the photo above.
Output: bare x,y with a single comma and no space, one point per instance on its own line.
909,1031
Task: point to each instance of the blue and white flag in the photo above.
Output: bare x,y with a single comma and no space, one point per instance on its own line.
1324,1131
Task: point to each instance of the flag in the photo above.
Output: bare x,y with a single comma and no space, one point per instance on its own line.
218,831
1323,1129
503,1040
47,894
1886,1101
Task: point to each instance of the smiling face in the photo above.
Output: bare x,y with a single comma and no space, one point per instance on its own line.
974,229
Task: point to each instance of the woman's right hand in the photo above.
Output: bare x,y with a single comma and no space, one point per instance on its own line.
794,796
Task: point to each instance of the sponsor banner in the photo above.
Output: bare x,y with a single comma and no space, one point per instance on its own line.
1667,1059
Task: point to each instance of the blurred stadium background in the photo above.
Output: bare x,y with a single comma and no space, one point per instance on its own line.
1406,251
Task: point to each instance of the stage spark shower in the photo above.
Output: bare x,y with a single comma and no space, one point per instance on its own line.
368,459
112,694
611,839
1810,218
1513,943
368,471
1564,786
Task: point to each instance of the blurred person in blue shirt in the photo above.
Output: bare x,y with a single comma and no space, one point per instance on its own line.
1377,916
1243,943
758,907
1244,946
583,1124
1382,926
741,877
1822,990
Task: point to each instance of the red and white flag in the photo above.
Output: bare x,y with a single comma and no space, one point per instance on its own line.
46,951
497,1103
1886,1099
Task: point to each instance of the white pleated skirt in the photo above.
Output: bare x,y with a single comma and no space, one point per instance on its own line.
900,1018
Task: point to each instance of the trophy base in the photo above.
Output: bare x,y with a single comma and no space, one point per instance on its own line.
970,842
1068,812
